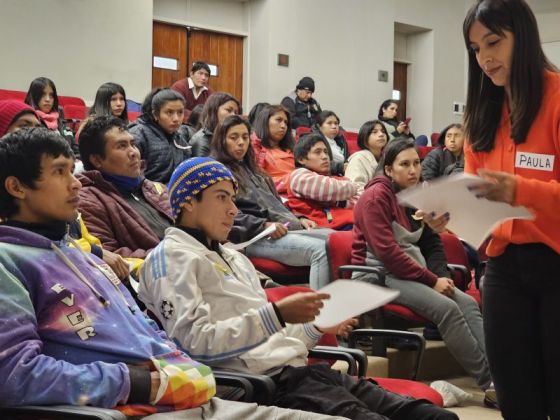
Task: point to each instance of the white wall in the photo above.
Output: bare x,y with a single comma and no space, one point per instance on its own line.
550,35
79,44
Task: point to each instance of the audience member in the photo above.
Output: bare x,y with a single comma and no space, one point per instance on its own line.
72,334
156,133
42,97
273,145
372,139
221,310
110,99
195,88
219,106
447,158
15,115
193,122
303,108
260,206
255,111
390,236
327,124
511,123
388,115
313,192
126,211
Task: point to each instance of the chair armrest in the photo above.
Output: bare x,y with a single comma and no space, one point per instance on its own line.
369,334
363,269
463,271
227,379
69,412
359,364
336,353
264,387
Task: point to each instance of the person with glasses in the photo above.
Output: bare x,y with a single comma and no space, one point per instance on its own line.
159,134
126,211
302,106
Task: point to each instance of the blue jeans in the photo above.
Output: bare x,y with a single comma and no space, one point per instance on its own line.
305,248
458,319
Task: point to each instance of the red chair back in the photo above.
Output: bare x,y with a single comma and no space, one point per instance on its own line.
63,101
352,141
133,115
281,273
423,151
434,138
301,131
339,252
12,94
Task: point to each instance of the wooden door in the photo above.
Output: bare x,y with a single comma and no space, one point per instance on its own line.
169,41
400,84
226,53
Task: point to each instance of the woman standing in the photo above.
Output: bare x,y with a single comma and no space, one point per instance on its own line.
512,121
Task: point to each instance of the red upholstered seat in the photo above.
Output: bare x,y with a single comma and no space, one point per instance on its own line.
281,273
12,94
411,389
63,101
133,115
352,141
405,387
434,138
300,131
423,151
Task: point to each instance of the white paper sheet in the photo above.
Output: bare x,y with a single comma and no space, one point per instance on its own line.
245,244
351,298
471,218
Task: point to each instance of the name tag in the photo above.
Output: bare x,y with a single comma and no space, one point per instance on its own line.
109,273
534,161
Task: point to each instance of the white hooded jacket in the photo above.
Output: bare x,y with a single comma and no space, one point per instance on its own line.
216,309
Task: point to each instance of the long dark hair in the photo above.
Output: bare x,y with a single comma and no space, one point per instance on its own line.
218,149
209,117
386,103
484,99
262,131
390,153
102,103
443,133
365,131
35,93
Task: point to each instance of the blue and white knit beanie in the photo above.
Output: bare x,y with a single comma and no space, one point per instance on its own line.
193,176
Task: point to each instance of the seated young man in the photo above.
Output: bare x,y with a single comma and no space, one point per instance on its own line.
313,192
70,333
219,311
128,213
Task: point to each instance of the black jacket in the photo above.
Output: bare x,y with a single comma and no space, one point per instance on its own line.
302,113
158,149
441,162
200,142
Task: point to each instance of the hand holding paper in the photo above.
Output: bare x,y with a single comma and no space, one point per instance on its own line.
472,218
350,298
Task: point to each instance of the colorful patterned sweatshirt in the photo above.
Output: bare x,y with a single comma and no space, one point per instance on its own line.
69,335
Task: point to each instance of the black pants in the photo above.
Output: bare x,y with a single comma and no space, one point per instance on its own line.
521,311
320,389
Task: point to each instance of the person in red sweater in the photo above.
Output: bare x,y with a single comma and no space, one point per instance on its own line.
195,88
313,192
389,236
512,121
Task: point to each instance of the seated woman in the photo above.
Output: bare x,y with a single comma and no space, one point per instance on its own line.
328,125
389,235
388,115
448,157
218,106
156,133
273,145
372,138
313,192
110,99
42,97
260,206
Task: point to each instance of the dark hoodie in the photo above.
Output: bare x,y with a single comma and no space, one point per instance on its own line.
374,215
